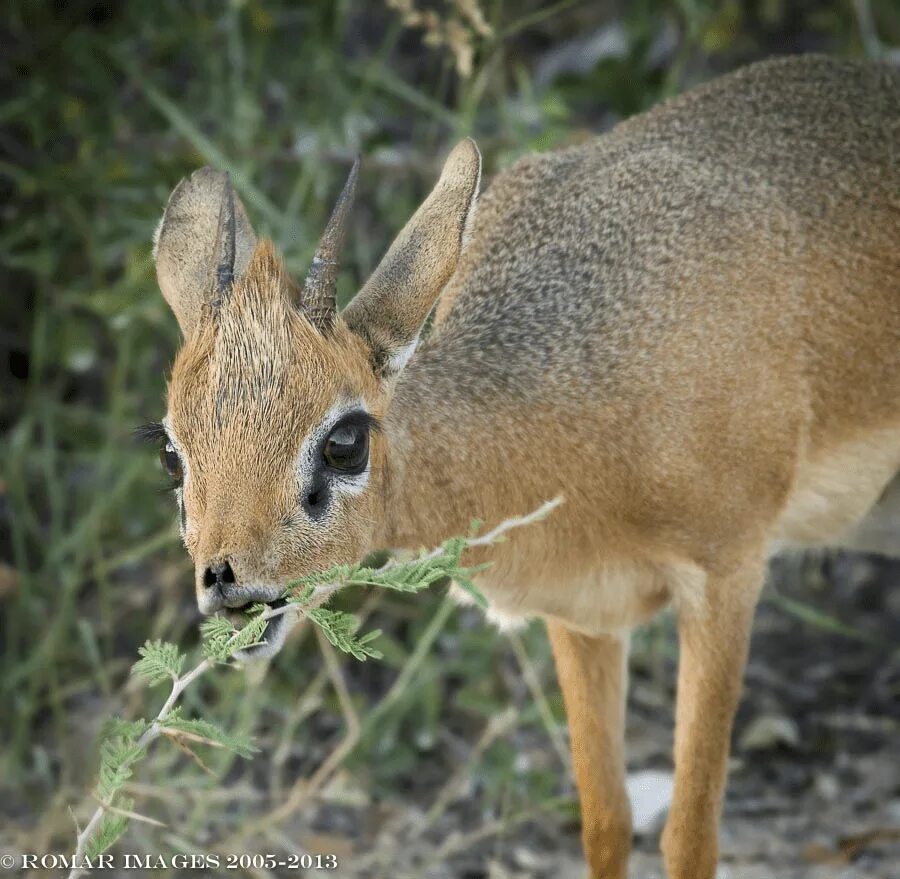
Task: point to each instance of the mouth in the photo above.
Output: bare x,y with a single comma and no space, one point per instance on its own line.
273,637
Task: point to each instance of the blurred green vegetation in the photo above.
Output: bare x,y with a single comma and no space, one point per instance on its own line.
106,106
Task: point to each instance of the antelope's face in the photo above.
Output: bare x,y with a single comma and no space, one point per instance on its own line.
272,435
272,439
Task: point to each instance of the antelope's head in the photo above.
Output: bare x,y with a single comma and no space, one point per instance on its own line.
272,434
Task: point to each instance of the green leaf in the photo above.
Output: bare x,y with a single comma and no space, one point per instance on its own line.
159,661
110,828
221,640
117,756
217,633
252,632
338,574
339,628
412,576
116,727
466,584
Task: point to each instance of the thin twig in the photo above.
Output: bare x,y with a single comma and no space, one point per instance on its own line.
452,789
324,591
126,813
195,757
181,734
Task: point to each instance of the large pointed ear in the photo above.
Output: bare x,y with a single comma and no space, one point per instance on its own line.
203,243
390,310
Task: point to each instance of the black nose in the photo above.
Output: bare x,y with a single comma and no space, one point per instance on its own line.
218,574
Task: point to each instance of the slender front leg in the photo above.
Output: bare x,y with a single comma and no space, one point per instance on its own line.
592,675
713,641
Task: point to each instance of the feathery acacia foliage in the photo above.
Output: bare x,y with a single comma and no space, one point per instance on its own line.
159,661
126,742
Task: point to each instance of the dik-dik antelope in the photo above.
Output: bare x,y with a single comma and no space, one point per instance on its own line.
688,328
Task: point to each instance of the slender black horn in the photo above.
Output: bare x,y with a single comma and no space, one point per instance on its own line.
318,297
225,247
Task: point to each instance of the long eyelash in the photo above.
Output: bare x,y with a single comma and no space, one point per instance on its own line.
361,419
152,432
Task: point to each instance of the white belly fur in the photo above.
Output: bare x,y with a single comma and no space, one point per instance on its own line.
614,599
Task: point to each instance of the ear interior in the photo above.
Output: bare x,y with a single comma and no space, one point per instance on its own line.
187,242
392,307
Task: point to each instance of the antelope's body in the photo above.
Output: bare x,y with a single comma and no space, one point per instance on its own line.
688,328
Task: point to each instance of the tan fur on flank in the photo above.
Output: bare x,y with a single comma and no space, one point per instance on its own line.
688,327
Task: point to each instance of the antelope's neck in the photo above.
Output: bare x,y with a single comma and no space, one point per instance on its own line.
435,480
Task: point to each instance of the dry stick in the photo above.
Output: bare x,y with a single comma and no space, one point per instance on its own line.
497,726
189,737
320,596
134,816
183,747
307,704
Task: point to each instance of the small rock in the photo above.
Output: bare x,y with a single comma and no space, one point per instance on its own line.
827,786
528,859
650,793
768,731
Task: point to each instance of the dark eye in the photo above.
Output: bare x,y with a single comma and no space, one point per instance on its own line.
347,448
171,462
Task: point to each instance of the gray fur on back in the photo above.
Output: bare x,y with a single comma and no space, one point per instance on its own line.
582,261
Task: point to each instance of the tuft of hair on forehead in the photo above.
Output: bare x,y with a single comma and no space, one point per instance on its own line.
259,359
265,306
266,278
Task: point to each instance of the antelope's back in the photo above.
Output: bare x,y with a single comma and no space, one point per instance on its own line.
743,236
